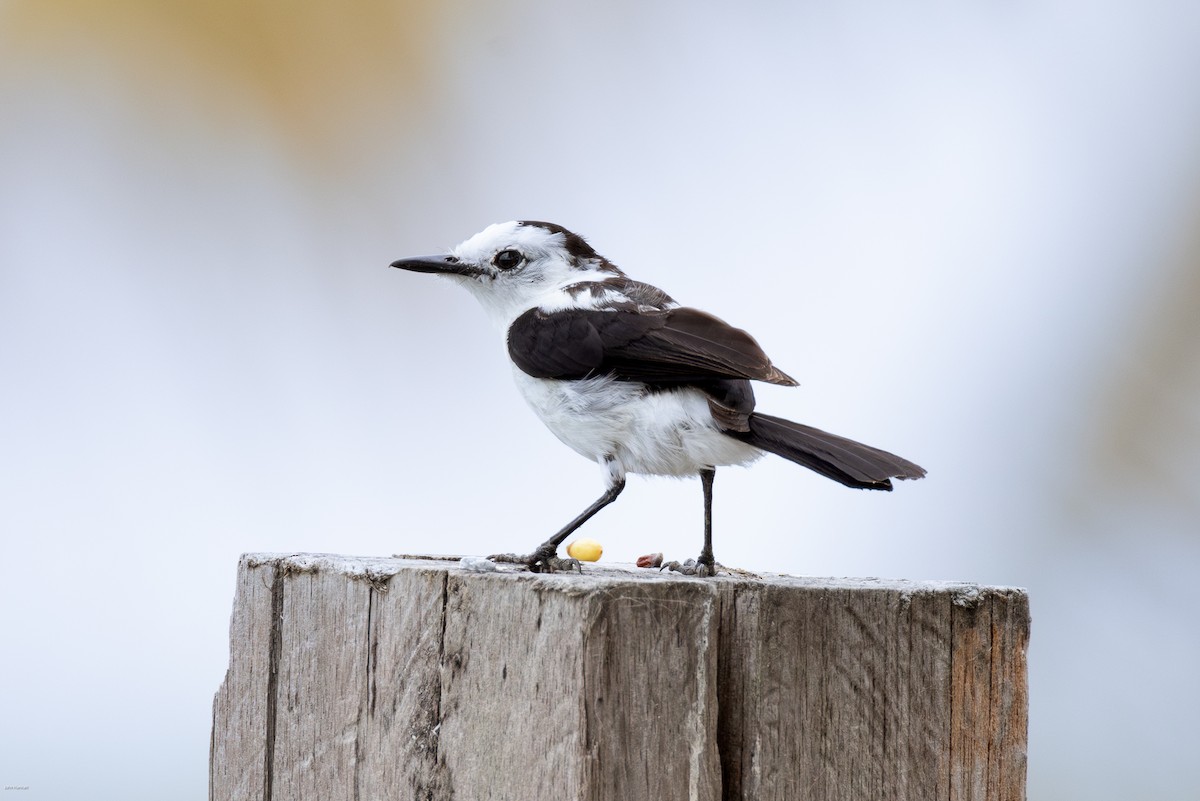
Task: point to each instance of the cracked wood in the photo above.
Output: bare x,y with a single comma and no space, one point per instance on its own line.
406,679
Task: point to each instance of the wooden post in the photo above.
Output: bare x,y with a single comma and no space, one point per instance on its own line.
373,679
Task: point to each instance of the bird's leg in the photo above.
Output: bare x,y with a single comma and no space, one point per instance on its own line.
706,564
545,556
706,560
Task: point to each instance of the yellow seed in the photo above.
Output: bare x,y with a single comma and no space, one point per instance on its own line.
585,550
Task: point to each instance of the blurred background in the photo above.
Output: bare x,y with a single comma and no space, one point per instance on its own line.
969,230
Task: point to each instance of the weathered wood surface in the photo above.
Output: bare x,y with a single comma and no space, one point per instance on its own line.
373,679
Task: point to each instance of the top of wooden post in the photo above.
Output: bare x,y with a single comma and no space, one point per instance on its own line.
378,569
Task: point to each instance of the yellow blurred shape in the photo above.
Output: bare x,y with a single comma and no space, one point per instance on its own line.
585,550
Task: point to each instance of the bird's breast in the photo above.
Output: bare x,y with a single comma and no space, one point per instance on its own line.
656,432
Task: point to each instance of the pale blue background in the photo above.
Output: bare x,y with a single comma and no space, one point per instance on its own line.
969,230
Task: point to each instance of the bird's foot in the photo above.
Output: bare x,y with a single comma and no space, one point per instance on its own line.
700,568
543,560
556,564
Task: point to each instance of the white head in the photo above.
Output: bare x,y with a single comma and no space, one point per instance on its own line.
514,266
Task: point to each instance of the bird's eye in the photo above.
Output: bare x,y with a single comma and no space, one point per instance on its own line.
508,259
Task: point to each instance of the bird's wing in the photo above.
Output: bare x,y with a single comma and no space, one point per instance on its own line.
676,346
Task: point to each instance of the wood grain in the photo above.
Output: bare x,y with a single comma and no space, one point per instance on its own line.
414,679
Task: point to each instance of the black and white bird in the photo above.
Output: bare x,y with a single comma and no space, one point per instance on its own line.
630,379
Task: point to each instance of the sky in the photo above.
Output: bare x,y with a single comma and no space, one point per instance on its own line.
967,230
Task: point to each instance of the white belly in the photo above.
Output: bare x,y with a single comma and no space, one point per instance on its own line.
664,433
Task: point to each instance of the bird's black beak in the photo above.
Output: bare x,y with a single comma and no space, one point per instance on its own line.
444,265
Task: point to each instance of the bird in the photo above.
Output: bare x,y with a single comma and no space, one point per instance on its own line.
632,380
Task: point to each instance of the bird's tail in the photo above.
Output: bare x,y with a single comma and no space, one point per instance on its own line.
843,460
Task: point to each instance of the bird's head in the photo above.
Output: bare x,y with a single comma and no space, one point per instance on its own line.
510,266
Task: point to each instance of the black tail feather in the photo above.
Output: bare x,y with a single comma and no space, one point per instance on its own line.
843,460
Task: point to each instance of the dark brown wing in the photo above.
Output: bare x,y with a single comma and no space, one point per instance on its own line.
662,348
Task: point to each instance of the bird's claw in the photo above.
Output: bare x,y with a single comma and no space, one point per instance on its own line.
558,564
543,560
692,567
